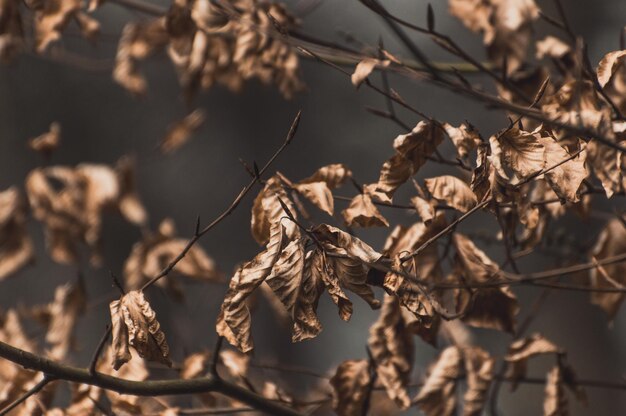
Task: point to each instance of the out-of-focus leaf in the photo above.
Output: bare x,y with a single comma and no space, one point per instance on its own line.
391,346
365,68
611,242
609,65
350,384
479,374
438,394
48,142
492,307
523,349
180,132
555,400
16,247
149,256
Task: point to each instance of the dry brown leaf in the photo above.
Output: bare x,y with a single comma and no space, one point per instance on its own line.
138,42
578,103
363,213
333,175
129,203
412,151
16,247
12,31
350,384
60,317
319,194
70,203
523,349
608,165
135,324
453,191
349,258
51,18
157,250
519,150
492,307
233,322
425,209
364,68
566,178
391,346
180,132
438,394
14,379
611,242
47,142
479,373
609,65
465,138
555,400
133,370
552,47
267,210
505,25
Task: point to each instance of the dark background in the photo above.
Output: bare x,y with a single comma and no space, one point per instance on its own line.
101,122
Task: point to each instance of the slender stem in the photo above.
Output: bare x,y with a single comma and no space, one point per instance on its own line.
33,390
290,135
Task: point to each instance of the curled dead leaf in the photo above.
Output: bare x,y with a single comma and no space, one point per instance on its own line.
350,384
453,191
16,246
180,132
135,324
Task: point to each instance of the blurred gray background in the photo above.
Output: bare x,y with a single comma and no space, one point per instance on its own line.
101,122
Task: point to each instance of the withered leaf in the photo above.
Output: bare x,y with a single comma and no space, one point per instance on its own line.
555,400
520,150
350,384
319,194
233,322
134,370
12,32
566,178
333,175
505,26
552,47
135,324
364,68
523,349
16,247
349,259
424,208
453,191
608,66
363,213
438,396
391,346
412,151
47,142
611,242
492,307
138,41
50,20
479,373
70,203
267,210
61,315
150,255
465,138
180,132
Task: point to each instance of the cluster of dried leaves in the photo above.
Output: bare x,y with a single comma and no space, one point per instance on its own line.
527,176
